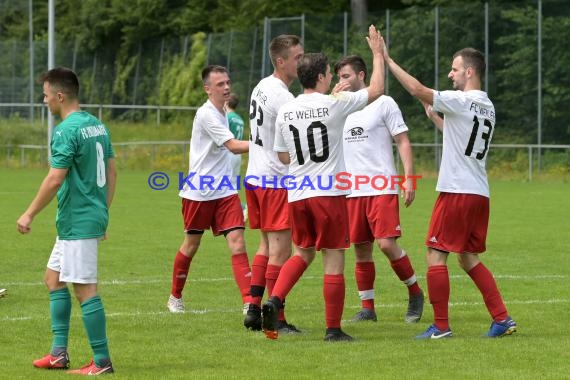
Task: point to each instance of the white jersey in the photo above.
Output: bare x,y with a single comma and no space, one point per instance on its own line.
266,99
310,129
467,132
368,136
210,174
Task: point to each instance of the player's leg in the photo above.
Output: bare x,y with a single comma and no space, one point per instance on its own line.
332,239
180,269
240,262
334,289
279,253
365,275
402,266
502,323
445,234
197,218
228,220
290,273
252,319
94,320
361,237
60,312
438,289
80,269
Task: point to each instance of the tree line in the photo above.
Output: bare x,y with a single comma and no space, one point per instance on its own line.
151,52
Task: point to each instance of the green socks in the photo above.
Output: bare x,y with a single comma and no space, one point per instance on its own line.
94,321
60,312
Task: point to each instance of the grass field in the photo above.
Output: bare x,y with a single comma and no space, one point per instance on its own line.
528,244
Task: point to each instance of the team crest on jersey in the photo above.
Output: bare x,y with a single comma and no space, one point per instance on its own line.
356,131
355,134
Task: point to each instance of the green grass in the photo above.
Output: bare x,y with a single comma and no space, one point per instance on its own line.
527,251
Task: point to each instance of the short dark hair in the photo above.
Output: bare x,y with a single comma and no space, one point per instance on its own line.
309,67
280,45
355,62
212,69
233,101
63,80
472,58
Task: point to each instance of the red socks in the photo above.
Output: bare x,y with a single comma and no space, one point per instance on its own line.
484,280
403,269
365,273
291,271
242,274
258,269
438,289
271,278
180,273
333,292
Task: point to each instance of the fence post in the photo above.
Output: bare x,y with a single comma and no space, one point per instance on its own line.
530,163
158,116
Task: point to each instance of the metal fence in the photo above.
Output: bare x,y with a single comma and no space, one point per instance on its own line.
534,31
173,155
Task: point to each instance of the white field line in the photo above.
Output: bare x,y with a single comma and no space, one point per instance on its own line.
145,281
137,313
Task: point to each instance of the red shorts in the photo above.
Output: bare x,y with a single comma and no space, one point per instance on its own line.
320,222
267,209
220,214
459,223
373,217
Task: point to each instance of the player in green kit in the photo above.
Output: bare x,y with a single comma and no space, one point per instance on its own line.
237,125
83,175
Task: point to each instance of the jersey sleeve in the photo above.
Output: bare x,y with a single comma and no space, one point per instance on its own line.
393,117
63,148
109,151
279,144
448,101
351,101
218,131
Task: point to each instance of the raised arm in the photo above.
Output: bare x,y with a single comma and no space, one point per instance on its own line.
376,44
411,84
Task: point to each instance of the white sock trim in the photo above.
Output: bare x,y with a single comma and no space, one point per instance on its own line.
410,281
366,294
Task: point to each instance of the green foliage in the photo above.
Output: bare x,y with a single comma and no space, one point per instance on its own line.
181,82
136,52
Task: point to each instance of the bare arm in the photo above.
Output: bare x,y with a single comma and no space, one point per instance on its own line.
284,157
405,151
111,180
48,190
237,146
376,44
411,84
433,116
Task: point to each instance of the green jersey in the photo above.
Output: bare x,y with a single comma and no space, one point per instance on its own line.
81,144
236,124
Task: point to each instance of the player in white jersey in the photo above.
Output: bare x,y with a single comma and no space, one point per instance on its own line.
266,200
461,213
373,210
209,196
309,140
